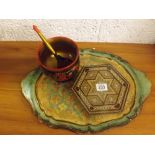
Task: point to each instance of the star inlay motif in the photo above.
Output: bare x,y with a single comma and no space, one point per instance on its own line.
101,94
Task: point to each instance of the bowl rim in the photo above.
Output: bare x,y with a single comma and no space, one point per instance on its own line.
59,69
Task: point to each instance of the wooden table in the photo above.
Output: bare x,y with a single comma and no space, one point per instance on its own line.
19,58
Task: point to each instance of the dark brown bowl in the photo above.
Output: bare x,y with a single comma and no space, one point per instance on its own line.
65,47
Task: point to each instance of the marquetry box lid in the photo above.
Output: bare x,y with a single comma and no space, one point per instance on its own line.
101,89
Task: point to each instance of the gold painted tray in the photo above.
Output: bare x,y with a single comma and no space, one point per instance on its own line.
57,105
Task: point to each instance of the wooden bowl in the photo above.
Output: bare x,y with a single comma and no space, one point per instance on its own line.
64,47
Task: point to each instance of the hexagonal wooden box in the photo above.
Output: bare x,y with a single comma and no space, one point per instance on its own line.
101,89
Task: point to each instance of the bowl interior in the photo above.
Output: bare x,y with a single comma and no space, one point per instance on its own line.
63,47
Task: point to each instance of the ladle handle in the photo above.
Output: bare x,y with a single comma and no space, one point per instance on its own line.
35,28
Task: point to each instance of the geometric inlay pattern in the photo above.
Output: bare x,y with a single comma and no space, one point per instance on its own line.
101,89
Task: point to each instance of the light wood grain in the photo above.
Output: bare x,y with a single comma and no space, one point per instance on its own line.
19,58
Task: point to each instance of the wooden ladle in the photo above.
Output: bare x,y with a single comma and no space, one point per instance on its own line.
61,61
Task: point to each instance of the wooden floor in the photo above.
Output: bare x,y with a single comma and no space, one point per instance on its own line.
19,58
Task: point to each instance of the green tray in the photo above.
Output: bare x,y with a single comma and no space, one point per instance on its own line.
56,104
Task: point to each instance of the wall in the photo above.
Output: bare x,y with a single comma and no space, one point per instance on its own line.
128,31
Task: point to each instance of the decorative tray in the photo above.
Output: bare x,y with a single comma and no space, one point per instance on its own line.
76,105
